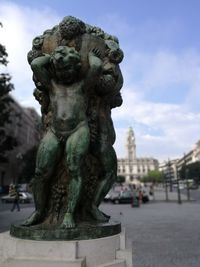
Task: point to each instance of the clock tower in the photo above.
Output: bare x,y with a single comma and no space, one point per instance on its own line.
131,147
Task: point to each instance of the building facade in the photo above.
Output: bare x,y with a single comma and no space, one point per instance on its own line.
25,128
171,168
131,167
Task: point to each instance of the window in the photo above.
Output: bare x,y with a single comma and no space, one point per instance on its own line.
131,178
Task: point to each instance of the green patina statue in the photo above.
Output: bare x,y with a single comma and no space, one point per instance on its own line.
78,81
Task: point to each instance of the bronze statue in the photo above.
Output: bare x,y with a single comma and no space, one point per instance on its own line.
78,81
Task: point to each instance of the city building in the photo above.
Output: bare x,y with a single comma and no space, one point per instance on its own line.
196,152
131,167
25,127
171,168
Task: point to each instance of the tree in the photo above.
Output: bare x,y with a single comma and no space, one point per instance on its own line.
191,171
28,169
121,179
7,141
153,177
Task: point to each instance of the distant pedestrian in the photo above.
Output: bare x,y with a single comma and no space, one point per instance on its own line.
135,200
140,196
15,193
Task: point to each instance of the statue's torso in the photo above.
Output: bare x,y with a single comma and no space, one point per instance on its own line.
68,105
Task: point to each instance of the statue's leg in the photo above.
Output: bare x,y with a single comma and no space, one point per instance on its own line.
47,156
108,161
76,148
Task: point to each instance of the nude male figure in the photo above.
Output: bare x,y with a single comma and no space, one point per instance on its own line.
59,73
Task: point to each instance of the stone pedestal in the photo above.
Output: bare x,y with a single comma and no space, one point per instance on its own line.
102,252
83,231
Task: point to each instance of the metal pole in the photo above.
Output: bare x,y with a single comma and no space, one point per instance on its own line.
188,188
166,191
169,175
186,178
178,191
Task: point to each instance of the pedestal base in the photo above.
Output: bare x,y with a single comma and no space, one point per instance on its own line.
81,232
102,252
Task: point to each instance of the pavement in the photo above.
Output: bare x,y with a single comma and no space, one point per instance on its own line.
160,195
163,234
7,217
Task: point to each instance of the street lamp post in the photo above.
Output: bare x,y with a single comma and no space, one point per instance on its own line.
166,187
178,189
187,182
169,175
166,191
186,178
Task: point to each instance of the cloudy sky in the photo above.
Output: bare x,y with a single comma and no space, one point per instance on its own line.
161,68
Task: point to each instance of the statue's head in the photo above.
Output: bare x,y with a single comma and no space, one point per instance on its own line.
66,62
71,27
115,54
96,31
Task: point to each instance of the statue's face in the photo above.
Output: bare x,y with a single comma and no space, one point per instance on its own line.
66,63
60,59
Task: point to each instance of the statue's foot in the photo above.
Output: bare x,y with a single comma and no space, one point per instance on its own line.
68,221
98,215
106,215
33,219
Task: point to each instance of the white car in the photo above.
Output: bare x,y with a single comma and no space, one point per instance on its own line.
24,197
181,186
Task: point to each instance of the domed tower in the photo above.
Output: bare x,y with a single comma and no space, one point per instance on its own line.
131,147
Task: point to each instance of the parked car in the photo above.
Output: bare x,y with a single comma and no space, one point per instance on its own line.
24,197
145,197
193,186
111,195
127,197
123,197
181,186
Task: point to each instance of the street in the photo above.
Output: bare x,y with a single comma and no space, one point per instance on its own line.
7,217
163,234
195,194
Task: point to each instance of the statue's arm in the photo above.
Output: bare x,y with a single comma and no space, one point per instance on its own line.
117,98
39,66
120,80
95,66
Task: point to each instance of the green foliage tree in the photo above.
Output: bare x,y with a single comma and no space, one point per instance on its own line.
153,177
121,179
191,171
28,169
7,141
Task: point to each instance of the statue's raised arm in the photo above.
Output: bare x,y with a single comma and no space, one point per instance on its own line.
39,67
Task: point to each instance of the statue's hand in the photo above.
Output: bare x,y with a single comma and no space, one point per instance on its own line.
96,52
95,64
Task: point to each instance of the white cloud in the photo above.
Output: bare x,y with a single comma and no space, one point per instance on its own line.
176,126
20,25
163,129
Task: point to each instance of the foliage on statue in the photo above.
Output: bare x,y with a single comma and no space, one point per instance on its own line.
78,81
7,141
